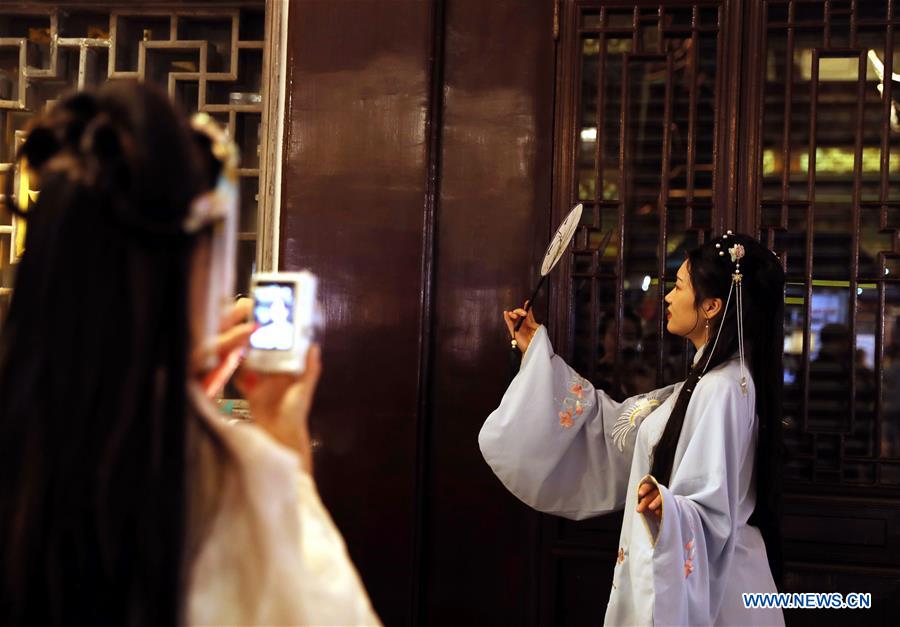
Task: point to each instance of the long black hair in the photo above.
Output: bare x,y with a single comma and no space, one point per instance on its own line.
94,364
763,321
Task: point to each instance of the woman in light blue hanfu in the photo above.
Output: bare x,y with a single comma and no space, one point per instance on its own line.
696,465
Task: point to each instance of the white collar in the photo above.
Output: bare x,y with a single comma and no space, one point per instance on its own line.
698,354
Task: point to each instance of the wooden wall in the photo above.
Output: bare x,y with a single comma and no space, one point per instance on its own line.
416,184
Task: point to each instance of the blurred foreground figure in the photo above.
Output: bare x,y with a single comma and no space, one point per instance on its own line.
125,498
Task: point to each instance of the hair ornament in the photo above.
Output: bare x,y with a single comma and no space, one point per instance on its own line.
219,203
737,253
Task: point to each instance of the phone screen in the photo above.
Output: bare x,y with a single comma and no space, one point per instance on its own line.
274,313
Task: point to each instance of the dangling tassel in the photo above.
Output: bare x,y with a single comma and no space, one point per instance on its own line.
515,360
740,321
737,253
737,280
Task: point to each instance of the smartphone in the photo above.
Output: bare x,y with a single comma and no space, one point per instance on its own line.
285,309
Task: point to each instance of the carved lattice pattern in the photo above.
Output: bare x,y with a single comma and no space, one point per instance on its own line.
209,60
829,205
645,135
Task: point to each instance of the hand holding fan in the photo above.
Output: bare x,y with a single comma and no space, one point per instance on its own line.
554,253
558,245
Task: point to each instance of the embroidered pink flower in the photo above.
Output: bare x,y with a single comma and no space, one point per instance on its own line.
621,557
688,558
575,403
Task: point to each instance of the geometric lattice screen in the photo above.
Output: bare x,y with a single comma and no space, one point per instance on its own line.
645,134
209,60
829,202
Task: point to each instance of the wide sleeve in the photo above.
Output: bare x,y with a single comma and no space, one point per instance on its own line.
270,554
558,444
691,545
332,589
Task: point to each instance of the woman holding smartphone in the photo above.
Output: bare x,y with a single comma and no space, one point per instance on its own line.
125,498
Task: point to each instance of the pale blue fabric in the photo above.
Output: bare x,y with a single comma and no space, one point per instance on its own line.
582,470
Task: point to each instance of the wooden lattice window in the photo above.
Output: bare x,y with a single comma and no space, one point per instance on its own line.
217,60
829,201
644,136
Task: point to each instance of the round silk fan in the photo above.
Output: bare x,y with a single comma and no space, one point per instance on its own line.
558,245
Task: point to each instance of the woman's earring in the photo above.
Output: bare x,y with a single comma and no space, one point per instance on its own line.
707,329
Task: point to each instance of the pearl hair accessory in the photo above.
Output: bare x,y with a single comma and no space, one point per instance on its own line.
736,253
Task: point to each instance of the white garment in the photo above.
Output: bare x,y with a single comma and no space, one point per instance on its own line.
273,555
565,448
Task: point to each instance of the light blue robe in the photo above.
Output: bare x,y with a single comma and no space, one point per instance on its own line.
565,448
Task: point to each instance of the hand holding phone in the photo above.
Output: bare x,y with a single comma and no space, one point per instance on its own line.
229,346
280,403
285,313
